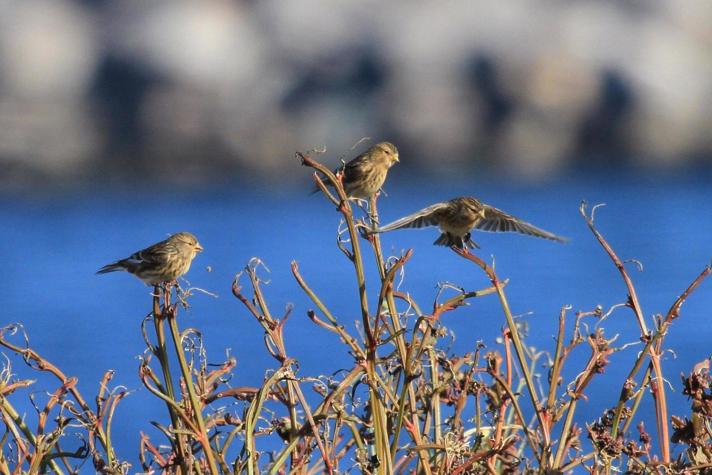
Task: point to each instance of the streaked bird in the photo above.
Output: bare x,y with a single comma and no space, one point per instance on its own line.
364,175
162,262
457,217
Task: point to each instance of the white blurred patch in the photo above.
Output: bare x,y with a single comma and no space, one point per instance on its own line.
49,49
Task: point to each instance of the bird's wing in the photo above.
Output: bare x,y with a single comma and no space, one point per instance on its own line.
496,220
355,168
151,255
424,217
352,170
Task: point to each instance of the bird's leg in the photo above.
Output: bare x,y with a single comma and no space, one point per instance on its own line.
464,249
469,242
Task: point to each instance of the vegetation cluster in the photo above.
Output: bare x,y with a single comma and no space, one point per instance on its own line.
405,406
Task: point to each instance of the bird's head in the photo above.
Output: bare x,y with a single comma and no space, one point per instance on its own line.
188,240
388,152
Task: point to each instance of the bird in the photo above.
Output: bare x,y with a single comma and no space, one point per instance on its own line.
162,262
458,216
364,175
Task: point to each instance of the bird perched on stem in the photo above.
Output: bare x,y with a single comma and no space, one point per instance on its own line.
162,262
363,176
457,217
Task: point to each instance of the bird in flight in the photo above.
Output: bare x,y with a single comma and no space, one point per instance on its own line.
458,217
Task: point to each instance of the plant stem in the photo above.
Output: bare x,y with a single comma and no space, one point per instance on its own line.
194,402
162,354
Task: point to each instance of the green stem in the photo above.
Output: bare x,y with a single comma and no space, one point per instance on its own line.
12,414
162,354
194,402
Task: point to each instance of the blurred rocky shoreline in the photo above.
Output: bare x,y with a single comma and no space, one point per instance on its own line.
188,91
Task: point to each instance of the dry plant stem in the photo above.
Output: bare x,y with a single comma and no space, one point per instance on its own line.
632,295
565,430
392,310
387,295
314,428
45,444
162,354
576,462
556,368
516,339
658,383
653,343
344,207
625,391
462,400
674,310
387,277
114,401
190,427
10,388
499,427
253,414
4,468
656,351
87,416
520,416
412,354
335,326
435,400
472,460
636,400
14,421
582,382
273,329
195,403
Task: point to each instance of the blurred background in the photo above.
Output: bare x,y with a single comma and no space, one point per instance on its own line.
122,122
191,91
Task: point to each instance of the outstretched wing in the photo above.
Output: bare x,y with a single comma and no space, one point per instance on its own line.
425,217
496,220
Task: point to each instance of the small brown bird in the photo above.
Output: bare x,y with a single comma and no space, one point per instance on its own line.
457,217
364,175
162,262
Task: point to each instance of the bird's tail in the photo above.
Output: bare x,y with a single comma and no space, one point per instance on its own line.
461,242
116,266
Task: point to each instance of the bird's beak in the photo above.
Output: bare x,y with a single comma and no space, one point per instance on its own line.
198,248
396,159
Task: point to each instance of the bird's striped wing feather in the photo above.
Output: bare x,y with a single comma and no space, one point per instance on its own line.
352,171
424,217
495,220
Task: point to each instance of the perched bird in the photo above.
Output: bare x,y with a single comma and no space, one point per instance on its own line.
457,217
165,261
364,175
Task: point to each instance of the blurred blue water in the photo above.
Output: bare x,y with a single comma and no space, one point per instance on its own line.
50,248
